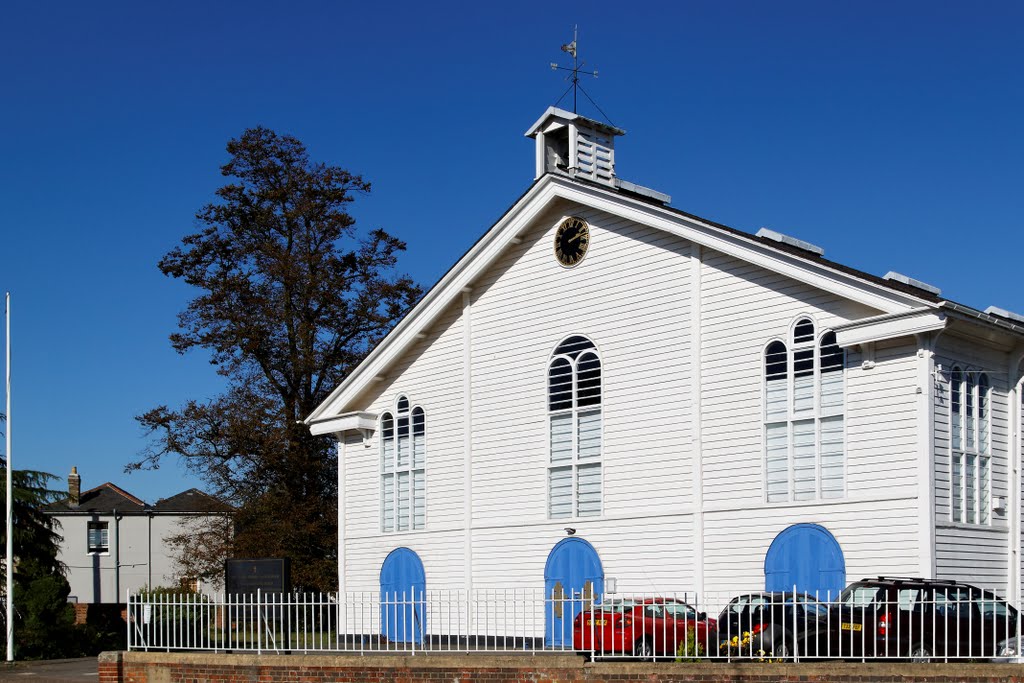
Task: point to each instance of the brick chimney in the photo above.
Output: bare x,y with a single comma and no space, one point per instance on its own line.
74,487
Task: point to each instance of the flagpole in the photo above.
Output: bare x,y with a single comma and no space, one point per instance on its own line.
10,497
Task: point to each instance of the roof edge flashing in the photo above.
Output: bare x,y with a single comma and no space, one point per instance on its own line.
1003,313
893,276
642,191
791,241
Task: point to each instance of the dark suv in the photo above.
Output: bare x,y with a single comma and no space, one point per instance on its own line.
918,619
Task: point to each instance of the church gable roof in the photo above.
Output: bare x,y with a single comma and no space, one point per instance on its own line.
887,296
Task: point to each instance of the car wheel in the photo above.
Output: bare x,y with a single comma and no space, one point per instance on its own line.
643,649
780,650
920,653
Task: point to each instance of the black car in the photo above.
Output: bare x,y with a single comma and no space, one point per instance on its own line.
770,626
918,619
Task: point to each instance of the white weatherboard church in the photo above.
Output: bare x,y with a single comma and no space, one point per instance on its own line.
708,409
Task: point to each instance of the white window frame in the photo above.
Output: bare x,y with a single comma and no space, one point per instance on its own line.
575,411
974,453
392,469
98,525
816,413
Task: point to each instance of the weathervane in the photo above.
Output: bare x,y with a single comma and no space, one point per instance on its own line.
576,70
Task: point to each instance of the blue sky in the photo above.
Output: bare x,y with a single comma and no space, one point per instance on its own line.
888,133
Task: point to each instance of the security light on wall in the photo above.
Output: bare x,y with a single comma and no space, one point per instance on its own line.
569,531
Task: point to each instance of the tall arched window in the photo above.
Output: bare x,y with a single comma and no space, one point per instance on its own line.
403,467
574,409
804,400
970,446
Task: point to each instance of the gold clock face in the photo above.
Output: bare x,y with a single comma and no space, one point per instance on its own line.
571,241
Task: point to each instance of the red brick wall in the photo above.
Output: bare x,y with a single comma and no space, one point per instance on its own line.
143,667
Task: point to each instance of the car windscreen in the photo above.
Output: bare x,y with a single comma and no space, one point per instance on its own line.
858,595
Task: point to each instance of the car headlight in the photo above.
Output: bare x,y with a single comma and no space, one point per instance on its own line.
1008,648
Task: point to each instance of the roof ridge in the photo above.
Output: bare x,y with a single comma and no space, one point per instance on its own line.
118,489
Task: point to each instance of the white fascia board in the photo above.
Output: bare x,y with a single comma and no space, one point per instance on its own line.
487,249
882,327
349,422
817,275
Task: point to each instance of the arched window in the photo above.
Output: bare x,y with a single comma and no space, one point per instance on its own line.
403,467
970,446
804,399
574,410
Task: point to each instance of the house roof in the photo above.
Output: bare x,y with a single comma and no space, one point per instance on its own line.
104,498
192,500
887,295
108,498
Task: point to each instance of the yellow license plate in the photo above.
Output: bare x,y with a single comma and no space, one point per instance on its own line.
850,627
596,622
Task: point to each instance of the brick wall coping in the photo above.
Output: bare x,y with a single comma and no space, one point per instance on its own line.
574,667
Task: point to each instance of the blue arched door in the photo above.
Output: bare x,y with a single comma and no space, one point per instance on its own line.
806,556
573,576
402,597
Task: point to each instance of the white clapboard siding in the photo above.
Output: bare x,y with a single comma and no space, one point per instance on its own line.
977,555
431,377
745,307
854,525
440,552
881,423
642,555
637,317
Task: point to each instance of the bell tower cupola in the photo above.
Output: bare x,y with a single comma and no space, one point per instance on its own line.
575,146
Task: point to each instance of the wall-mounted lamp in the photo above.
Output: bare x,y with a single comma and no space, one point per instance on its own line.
569,531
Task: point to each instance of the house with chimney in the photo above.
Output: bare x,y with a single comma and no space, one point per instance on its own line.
607,393
115,543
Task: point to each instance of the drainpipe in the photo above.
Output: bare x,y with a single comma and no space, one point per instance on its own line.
117,557
149,549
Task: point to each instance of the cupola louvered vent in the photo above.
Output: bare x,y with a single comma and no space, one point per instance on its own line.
595,158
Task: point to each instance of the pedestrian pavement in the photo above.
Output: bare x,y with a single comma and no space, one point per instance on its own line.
79,670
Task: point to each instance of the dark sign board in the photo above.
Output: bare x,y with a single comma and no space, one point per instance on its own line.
267,575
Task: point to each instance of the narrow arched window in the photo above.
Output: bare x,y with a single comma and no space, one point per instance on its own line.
803,366
804,402
956,407
575,424
403,463
776,416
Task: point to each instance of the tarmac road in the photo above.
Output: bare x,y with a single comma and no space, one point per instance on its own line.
51,671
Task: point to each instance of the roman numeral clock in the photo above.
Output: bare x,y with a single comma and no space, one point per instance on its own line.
571,241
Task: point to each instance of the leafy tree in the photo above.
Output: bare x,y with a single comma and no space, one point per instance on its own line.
291,299
43,618
200,546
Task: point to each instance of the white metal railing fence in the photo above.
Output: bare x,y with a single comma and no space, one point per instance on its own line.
918,624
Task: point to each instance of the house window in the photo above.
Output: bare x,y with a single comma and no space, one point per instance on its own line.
402,467
574,413
970,445
804,399
98,538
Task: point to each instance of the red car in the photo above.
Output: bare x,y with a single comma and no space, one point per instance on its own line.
646,628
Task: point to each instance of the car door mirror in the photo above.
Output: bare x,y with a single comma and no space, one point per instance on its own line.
702,616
